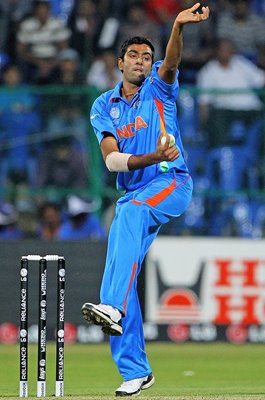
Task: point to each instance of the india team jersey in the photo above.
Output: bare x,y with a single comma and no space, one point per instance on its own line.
136,125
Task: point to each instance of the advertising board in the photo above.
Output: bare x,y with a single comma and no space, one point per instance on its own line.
206,289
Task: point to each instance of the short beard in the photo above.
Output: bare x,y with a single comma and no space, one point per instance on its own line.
139,81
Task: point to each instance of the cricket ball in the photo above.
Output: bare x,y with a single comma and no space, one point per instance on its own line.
171,140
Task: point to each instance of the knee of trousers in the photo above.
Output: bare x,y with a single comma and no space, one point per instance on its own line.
134,212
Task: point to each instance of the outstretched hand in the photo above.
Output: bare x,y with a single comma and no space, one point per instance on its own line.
192,15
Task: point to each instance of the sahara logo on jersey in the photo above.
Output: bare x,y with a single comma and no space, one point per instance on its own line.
129,130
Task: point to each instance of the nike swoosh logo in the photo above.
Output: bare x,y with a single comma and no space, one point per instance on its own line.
94,116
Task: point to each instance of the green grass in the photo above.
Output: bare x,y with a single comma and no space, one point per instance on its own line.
183,372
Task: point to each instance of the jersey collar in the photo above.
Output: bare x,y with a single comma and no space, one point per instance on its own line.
116,96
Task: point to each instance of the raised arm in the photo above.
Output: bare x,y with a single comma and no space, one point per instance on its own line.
167,70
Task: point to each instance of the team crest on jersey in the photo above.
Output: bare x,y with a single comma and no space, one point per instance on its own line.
115,112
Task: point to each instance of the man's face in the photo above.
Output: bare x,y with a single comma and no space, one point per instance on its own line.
137,63
224,51
42,12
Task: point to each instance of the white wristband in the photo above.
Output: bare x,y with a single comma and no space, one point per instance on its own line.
117,162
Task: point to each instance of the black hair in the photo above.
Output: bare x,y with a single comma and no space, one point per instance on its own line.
136,40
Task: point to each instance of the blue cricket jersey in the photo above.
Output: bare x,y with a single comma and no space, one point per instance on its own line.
136,125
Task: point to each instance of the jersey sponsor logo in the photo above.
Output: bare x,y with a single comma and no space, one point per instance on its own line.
129,130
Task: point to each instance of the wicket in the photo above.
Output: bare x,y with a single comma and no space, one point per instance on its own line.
41,368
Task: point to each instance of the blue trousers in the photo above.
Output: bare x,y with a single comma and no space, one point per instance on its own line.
138,218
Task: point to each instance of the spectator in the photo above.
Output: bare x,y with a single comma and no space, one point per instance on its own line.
138,23
69,68
246,29
64,69
62,166
85,25
37,31
11,14
19,122
50,221
44,72
82,222
68,121
68,73
228,71
104,72
198,48
8,222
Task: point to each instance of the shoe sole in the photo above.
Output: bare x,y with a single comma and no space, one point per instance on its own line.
125,394
145,385
94,316
148,383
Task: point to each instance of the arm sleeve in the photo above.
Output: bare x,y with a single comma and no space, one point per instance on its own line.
160,89
100,119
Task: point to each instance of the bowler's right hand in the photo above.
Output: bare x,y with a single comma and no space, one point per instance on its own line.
164,151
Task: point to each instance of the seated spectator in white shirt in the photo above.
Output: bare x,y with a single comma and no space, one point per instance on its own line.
40,29
238,77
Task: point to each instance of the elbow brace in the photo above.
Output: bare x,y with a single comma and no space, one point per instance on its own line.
117,162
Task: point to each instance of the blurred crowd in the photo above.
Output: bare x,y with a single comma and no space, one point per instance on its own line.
44,138
74,219
43,36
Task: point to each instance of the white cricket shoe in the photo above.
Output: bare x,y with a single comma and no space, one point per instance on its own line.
106,316
134,386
